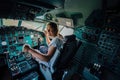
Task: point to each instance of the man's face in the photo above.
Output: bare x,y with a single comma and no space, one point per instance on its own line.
50,31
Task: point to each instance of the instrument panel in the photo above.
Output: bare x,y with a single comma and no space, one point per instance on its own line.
100,53
12,40
109,54
88,34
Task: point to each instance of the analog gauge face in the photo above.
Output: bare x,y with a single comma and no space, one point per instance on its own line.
28,56
31,36
4,43
26,41
48,16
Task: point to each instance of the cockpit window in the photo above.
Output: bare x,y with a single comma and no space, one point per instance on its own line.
33,25
10,22
39,26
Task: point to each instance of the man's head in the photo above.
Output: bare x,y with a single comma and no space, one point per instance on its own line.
52,29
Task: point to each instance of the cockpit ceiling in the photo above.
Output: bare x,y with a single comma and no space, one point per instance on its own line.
41,3
27,9
45,3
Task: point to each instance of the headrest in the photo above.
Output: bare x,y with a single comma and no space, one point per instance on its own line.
69,38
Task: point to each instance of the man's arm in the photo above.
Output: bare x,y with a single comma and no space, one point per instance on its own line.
43,57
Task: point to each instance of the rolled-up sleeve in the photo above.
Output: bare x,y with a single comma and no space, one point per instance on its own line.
56,42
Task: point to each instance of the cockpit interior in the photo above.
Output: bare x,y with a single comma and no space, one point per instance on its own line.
91,35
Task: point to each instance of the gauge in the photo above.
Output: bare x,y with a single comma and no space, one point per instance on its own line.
31,36
12,48
28,56
48,16
4,43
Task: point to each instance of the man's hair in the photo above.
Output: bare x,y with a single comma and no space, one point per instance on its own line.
54,27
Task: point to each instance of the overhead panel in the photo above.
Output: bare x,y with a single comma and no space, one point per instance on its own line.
27,9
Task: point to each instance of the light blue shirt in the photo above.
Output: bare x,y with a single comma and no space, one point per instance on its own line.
58,44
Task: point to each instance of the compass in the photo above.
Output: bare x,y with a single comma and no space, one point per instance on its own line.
48,16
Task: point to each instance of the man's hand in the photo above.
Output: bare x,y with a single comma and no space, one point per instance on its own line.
26,48
46,33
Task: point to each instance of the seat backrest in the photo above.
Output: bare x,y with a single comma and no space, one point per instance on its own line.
67,53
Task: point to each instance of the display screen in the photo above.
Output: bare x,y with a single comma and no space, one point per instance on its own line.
3,38
21,37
